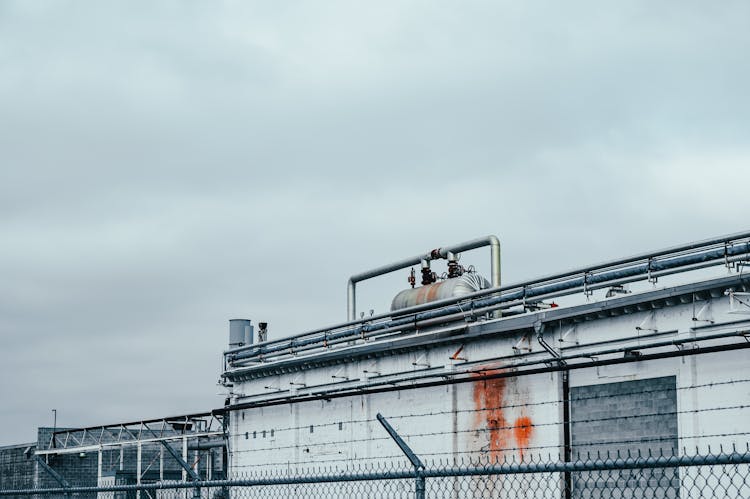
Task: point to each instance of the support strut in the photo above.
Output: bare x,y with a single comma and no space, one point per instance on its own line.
413,458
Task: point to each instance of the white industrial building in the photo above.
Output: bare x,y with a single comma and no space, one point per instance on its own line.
643,354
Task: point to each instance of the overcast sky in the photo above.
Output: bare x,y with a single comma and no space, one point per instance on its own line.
166,166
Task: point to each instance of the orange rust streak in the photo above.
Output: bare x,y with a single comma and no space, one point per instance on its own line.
432,292
488,402
458,352
523,430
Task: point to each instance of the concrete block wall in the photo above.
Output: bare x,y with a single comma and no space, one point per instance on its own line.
638,416
17,466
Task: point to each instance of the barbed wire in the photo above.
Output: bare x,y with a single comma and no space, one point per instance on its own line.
499,407
513,450
533,448
408,436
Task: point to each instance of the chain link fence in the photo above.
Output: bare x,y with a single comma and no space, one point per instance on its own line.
720,475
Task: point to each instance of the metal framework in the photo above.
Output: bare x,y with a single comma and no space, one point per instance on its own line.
179,428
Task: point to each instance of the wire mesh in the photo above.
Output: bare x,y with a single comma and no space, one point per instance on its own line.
684,476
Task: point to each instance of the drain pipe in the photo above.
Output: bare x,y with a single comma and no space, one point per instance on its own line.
539,330
492,241
565,387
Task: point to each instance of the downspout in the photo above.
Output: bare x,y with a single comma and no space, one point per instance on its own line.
492,241
565,388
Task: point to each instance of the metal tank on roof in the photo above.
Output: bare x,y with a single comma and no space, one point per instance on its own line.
448,288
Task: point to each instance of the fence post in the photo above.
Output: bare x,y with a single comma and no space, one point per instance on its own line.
413,458
420,484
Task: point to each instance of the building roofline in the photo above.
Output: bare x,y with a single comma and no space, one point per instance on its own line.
506,326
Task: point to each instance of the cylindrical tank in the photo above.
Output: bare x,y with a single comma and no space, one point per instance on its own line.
240,332
449,288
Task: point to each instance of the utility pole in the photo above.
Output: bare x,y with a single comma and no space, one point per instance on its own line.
54,426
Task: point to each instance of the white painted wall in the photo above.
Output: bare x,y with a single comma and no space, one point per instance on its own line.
448,424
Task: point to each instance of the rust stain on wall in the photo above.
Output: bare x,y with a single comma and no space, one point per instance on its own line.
489,397
523,430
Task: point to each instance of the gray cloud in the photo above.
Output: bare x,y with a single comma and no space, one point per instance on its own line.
165,167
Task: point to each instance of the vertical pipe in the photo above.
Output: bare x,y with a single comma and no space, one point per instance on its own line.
495,268
494,261
351,300
184,457
122,458
567,449
161,463
196,469
225,421
138,469
99,468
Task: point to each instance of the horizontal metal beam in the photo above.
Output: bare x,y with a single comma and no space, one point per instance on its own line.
116,426
449,378
124,443
506,326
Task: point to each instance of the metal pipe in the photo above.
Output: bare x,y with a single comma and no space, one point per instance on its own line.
586,278
206,445
439,370
492,241
539,329
520,286
436,317
388,385
728,238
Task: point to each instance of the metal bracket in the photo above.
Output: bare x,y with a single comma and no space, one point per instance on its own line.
586,291
564,336
653,280
737,298
417,362
517,348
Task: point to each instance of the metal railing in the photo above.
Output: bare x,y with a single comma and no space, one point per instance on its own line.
727,250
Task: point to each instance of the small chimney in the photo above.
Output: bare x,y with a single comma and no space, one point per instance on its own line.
240,333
